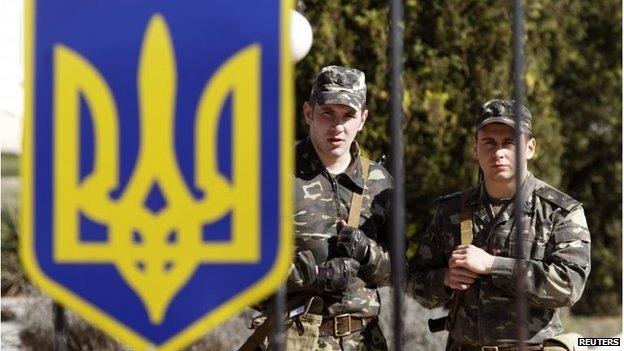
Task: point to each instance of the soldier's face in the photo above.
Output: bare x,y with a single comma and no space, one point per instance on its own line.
333,128
495,150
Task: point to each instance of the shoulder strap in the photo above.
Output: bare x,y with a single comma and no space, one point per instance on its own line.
465,220
356,199
465,227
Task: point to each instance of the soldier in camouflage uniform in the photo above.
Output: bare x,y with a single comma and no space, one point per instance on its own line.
481,276
343,265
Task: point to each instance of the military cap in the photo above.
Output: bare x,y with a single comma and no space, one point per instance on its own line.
339,85
502,111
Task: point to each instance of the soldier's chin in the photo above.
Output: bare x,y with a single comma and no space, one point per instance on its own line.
502,176
337,151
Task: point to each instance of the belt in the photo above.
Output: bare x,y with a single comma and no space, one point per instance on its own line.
344,324
467,347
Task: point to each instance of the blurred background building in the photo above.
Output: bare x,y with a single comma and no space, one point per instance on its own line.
11,75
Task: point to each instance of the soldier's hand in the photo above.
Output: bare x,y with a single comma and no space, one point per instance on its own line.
337,274
352,242
472,258
459,278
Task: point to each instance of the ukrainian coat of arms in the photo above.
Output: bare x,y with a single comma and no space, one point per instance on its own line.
157,161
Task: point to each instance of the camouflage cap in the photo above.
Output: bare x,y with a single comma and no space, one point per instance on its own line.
339,85
502,111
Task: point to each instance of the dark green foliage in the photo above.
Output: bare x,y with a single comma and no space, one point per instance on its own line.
586,69
10,165
14,280
457,56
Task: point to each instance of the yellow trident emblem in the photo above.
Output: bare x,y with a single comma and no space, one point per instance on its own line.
155,267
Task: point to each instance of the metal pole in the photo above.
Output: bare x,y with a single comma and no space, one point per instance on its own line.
398,197
518,74
279,307
58,312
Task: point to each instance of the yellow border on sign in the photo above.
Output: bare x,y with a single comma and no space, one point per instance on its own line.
260,290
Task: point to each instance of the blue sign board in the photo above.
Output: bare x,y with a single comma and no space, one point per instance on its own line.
157,161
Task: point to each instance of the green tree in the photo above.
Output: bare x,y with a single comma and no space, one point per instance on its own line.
457,56
585,50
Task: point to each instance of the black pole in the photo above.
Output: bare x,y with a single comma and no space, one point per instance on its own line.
518,75
279,307
58,313
398,197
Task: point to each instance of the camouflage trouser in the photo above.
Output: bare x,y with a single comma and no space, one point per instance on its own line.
367,339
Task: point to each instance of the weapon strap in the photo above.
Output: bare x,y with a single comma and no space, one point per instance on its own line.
311,304
465,228
257,338
356,200
465,220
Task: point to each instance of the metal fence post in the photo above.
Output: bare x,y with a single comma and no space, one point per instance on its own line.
279,309
518,92
398,197
58,313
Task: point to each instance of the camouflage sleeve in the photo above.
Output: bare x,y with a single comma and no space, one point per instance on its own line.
425,278
302,272
377,270
559,279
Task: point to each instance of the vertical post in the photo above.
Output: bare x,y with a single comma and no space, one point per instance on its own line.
398,198
58,313
279,307
518,84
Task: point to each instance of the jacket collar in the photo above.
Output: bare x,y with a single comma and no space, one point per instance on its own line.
479,199
309,164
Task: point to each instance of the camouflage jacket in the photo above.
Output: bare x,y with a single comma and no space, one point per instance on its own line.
323,199
558,252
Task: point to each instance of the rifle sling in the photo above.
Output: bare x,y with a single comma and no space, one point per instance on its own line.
465,218
357,198
312,304
256,339
465,227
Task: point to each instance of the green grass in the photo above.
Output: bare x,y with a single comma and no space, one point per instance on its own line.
10,165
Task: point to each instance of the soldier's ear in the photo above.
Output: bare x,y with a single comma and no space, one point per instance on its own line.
530,148
307,112
364,116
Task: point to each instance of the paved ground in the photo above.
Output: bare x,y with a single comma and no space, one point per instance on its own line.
16,313
12,308
610,348
13,313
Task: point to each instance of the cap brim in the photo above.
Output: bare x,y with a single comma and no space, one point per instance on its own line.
496,120
503,120
352,100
